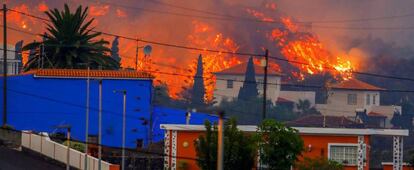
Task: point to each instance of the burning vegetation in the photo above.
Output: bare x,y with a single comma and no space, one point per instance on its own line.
282,35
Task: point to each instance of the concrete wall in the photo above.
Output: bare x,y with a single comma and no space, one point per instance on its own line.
295,96
43,145
221,91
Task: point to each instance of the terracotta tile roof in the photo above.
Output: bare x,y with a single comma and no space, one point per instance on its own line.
240,69
283,100
355,84
82,73
330,122
375,114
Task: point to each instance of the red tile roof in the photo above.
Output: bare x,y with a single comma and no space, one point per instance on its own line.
283,100
240,69
355,84
375,114
81,73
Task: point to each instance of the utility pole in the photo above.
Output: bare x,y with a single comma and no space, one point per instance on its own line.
87,117
220,142
266,64
68,151
123,129
100,127
4,65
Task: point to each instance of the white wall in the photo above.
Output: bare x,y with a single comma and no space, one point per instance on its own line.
221,91
295,96
43,145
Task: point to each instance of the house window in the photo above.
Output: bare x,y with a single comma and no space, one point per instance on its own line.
344,154
368,99
374,98
352,99
229,84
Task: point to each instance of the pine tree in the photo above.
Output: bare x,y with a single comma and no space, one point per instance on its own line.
18,53
198,86
115,50
249,89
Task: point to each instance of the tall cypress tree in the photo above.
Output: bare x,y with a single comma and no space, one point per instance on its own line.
18,53
115,50
249,89
198,86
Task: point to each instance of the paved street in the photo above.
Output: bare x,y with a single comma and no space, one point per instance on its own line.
14,160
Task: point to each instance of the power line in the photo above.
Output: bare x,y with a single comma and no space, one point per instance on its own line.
226,17
226,52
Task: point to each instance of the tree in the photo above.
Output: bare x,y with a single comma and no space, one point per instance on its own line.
69,43
304,108
404,121
199,90
249,89
239,148
411,159
320,163
115,50
18,53
279,145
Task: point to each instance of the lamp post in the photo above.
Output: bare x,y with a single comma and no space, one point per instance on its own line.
87,114
124,92
68,127
100,127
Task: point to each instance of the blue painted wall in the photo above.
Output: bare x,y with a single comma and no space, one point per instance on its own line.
41,104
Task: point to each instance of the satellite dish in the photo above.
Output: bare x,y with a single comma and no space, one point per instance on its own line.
147,50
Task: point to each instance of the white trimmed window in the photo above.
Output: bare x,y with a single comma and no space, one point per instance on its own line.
229,84
352,99
346,154
368,99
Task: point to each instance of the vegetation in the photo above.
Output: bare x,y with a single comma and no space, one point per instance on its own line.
69,43
304,108
278,142
239,148
249,89
198,92
249,112
320,163
75,145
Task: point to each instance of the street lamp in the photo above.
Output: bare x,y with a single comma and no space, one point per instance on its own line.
68,127
124,92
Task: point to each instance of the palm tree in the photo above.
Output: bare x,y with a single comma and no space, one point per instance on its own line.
69,43
304,108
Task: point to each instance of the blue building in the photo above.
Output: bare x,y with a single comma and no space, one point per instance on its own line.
44,99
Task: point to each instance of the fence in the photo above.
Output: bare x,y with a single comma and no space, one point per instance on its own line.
43,145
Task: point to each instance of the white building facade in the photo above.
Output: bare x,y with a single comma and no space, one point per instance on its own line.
13,63
229,82
345,98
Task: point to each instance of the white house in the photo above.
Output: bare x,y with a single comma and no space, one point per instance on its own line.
12,61
345,98
229,82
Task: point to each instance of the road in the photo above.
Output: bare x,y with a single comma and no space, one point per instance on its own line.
15,160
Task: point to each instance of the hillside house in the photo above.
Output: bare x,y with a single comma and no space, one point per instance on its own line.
347,97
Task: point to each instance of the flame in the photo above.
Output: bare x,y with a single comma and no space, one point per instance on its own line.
305,50
208,37
18,19
42,7
121,13
98,10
